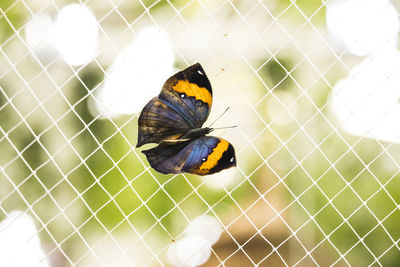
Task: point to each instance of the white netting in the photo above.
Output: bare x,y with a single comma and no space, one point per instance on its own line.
312,85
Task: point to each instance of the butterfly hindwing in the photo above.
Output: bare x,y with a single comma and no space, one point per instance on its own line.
201,156
168,157
213,154
183,104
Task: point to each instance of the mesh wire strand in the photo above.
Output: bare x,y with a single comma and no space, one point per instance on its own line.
304,253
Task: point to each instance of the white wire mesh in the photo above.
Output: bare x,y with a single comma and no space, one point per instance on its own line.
305,192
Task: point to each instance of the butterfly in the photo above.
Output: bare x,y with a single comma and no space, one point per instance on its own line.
174,120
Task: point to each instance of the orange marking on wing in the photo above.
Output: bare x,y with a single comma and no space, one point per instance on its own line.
191,89
213,158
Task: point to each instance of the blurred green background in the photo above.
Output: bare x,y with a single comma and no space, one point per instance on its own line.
303,186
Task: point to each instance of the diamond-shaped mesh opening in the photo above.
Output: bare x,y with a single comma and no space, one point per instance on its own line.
314,97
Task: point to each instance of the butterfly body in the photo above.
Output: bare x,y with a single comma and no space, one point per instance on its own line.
198,132
174,119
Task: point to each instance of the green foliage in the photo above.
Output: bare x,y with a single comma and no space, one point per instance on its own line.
14,19
336,189
277,73
302,10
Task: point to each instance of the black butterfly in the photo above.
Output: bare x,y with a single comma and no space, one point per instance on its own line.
174,119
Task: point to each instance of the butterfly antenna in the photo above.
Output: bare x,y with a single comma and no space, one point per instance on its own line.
219,117
227,127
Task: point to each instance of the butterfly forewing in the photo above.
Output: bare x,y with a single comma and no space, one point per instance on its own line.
183,104
158,122
189,93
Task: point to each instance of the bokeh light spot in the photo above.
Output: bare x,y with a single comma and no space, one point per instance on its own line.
76,34
367,102
362,27
39,36
19,242
136,76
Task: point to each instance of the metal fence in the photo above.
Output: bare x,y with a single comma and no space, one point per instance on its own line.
312,85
